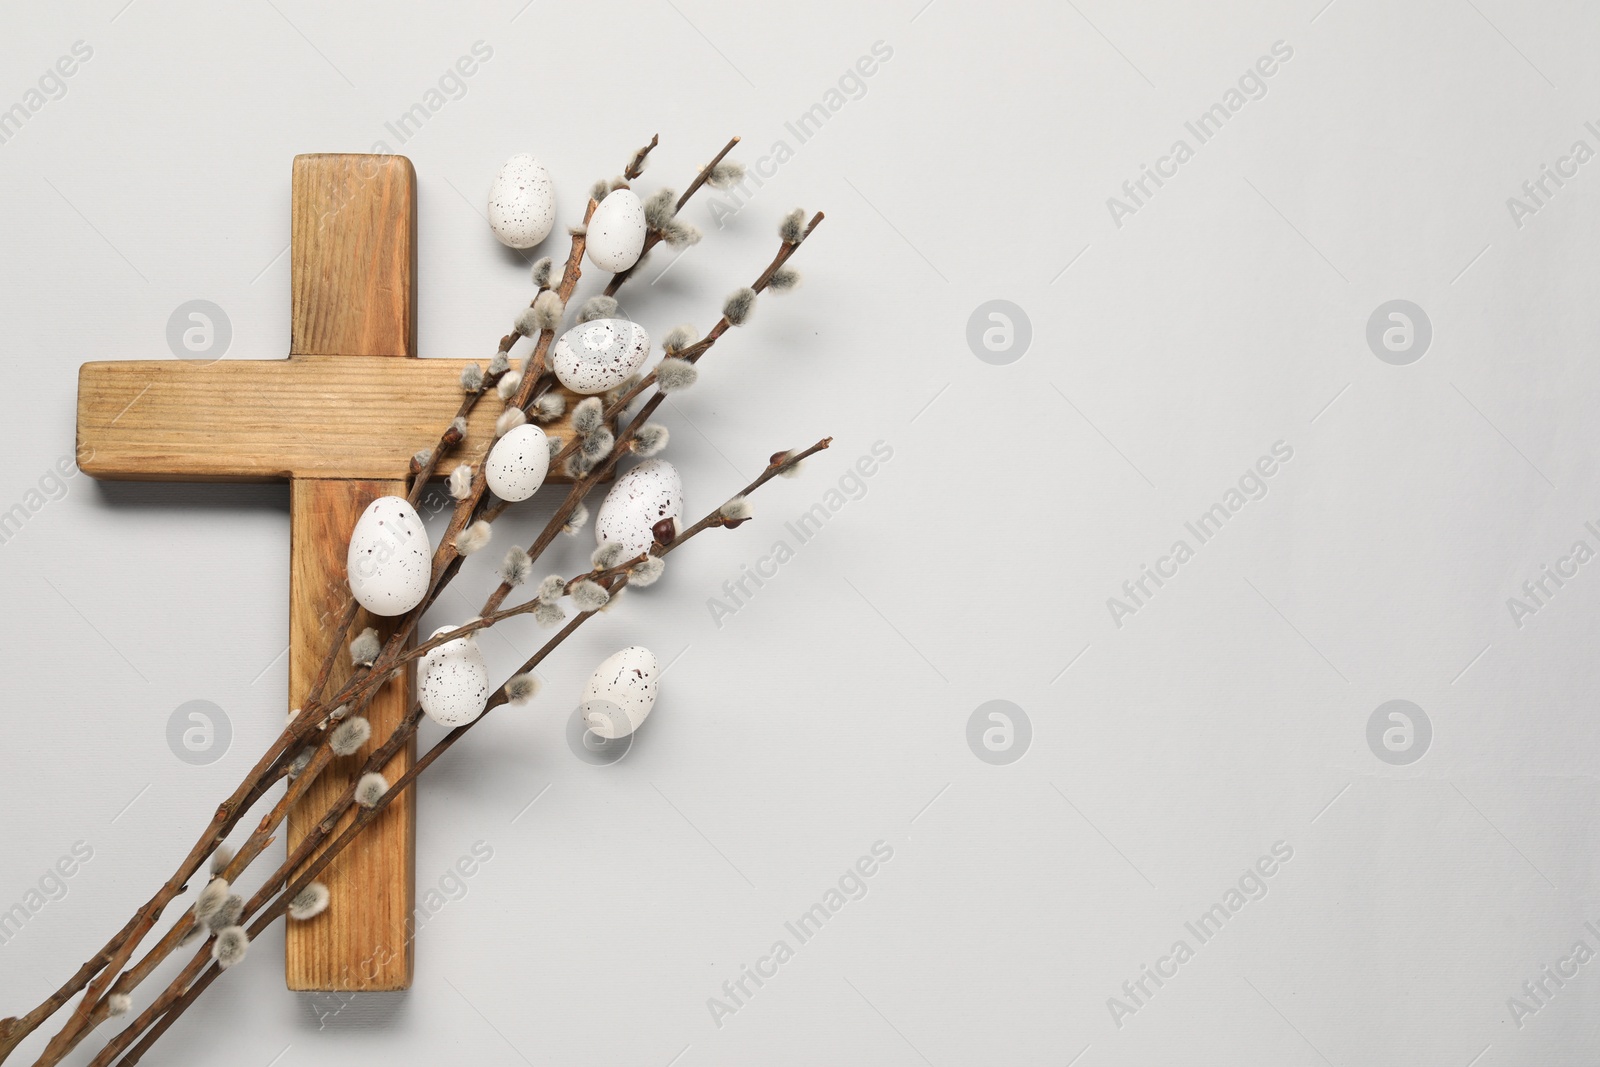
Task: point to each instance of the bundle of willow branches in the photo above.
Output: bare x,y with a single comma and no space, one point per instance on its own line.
331,726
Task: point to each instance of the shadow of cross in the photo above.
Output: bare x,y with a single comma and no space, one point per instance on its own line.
339,419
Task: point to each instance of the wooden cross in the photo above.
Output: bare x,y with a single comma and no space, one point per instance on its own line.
339,419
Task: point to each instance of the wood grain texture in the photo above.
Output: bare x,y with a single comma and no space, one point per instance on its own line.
240,420
363,940
249,420
353,256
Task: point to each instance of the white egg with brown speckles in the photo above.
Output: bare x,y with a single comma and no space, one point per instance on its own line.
620,693
644,496
598,355
522,202
390,558
616,231
518,463
453,681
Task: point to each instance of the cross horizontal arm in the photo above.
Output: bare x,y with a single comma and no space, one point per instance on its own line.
267,420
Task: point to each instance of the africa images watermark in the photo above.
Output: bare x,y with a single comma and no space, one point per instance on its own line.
1251,886
1538,591
50,86
449,86
851,85
51,888
1539,190
1252,85
1537,992
1137,592
450,888
50,487
852,485
737,992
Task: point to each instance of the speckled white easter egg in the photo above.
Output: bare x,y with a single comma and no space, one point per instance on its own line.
452,681
620,693
522,202
390,558
518,463
644,496
616,231
598,355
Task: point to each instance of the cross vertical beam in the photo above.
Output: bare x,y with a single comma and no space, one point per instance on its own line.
353,254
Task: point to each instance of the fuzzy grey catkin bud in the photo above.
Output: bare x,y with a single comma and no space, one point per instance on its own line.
579,519
791,466
547,306
118,1004
600,189
579,465
516,567
229,914
458,427
527,322
474,537
783,279
739,304
598,307
659,207
301,762
339,712
548,615
522,688
459,484
646,571
541,273
211,899
550,406
674,375
554,444
589,596
737,510
509,420
552,589
606,556
309,902
349,736
508,385
421,458
678,338
597,446
471,378
370,789
680,234
230,946
588,415
500,363
220,860
650,439
725,174
365,648
793,227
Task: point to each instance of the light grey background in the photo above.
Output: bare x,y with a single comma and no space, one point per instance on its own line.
831,711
